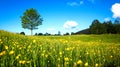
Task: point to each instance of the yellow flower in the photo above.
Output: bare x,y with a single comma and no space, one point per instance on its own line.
17,57
79,62
29,46
11,52
67,49
1,41
46,55
58,65
86,64
6,47
28,61
96,65
2,53
22,61
34,41
111,56
60,53
58,59
42,54
87,53
75,65
66,59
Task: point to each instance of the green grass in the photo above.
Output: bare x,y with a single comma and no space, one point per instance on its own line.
59,51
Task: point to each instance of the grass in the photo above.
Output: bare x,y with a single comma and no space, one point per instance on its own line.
59,51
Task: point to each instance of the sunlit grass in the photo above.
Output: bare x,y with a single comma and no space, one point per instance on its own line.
59,51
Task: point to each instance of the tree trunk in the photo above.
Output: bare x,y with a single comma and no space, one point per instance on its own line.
31,32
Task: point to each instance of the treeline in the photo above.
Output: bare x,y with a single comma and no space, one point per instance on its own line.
107,27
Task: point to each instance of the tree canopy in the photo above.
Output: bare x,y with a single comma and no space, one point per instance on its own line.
31,19
107,27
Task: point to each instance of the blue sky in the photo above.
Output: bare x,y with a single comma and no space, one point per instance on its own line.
58,15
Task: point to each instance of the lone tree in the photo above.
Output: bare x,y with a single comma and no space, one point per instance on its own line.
31,19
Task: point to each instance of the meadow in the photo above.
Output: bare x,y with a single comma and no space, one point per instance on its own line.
59,51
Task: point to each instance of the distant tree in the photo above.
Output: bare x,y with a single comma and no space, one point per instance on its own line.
40,34
22,33
72,33
110,27
107,27
31,19
117,26
67,33
59,33
96,27
36,34
104,28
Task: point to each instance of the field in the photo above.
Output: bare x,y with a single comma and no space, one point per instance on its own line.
59,51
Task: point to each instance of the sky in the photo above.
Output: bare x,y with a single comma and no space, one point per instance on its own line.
58,15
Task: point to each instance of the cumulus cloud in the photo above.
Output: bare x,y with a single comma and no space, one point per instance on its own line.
107,19
75,3
116,10
72,3
70,24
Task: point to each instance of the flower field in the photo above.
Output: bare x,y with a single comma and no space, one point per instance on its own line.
59,51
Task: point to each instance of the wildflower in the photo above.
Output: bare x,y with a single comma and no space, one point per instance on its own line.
111,56
34,41
60,53
20,48
29,46
42,54
87,53
96,65
58,65
79,62
75,65
66,59
11,52
58,59
22,61
6,47
67,49
28,61
86,64
1,41
17,57
46,55
2,53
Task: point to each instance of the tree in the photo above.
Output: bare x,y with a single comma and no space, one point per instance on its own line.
72,33
40,34
59,33
110,27
67,33
117,26
31,19
22,33
36,34
96,27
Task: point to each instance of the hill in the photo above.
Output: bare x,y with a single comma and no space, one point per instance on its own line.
85,31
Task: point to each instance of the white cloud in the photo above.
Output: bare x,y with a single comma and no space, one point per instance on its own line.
51,29
107,19
70,24
116,10
73,4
